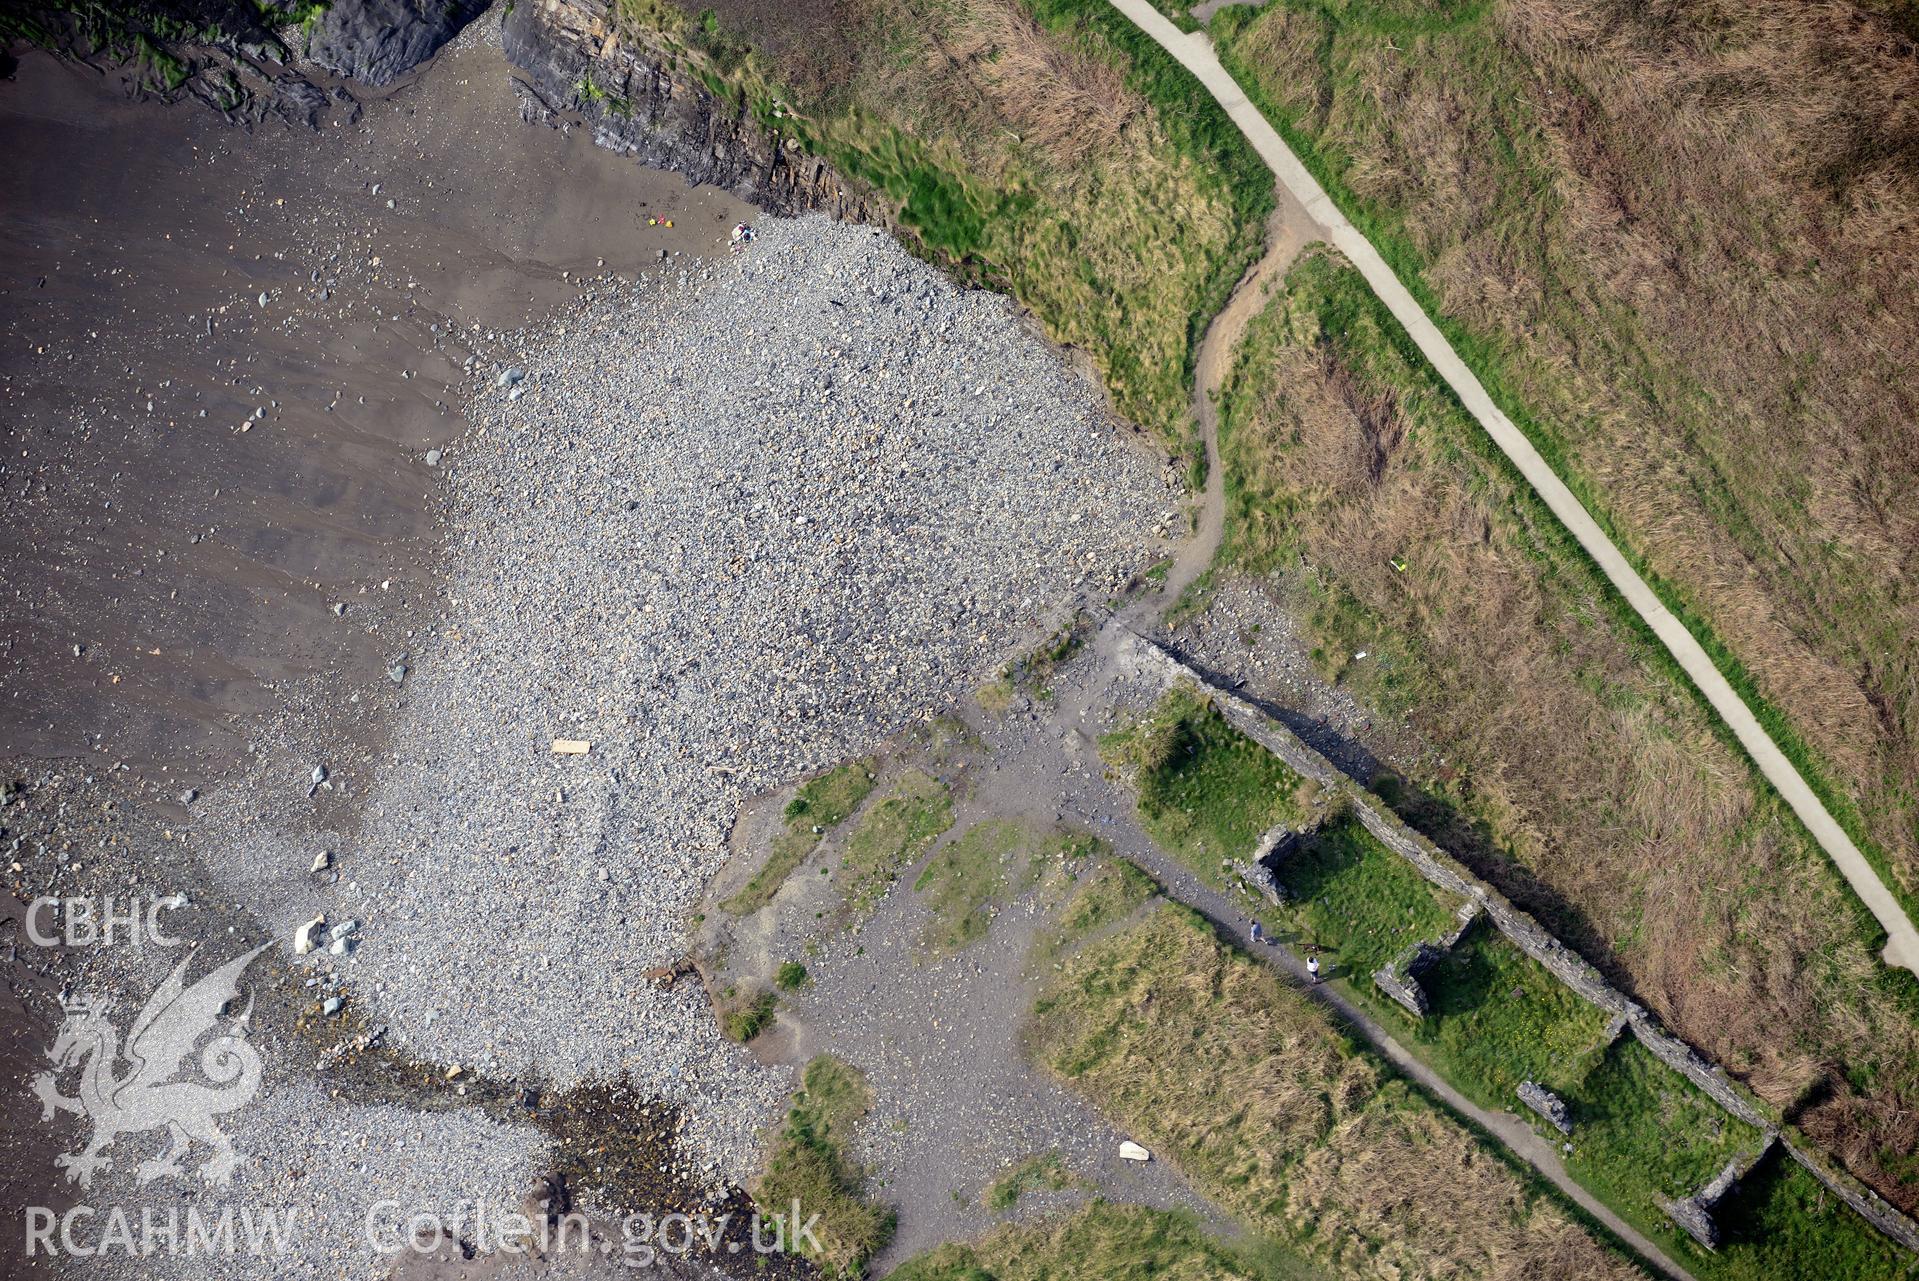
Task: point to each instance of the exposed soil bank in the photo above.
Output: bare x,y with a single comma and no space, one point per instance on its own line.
636,102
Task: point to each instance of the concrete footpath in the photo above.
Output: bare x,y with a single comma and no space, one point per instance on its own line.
1195,52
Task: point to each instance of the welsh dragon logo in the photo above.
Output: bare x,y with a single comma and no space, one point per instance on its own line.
175,1019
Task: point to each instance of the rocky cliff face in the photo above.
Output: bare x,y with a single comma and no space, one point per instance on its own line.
577,67
378,41
250,62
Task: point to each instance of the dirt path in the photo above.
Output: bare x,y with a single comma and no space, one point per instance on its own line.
1511,1130
1195,52
1080,710
1288,231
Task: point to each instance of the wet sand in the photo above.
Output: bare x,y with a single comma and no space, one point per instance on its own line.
198,566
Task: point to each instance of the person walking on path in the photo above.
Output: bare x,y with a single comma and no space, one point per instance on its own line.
1312,968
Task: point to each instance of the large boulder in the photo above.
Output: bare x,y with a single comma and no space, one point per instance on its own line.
378,41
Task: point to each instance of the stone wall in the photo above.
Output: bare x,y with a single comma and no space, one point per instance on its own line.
1448,874
1871,1207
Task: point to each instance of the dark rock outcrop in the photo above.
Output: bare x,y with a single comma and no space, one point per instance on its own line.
378,41
1259,878
1694,1214
636,101
1276,846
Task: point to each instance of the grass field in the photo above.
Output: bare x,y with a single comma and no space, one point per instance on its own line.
1206,792
1499,1018
808,1163
1102,1242
1782,1223
820,805
1580,777
1642,1135
1247,1087
1356,903
1042,148
1675,243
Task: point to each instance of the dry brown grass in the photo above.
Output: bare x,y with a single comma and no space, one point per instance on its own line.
1033,155
1690,232
1245,1085
1617,815
1406,1192
1061,101
980,74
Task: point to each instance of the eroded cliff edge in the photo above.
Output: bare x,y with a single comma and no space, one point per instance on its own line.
576,65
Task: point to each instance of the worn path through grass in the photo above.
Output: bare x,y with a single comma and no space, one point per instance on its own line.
1289,230
1519,1137
1195,52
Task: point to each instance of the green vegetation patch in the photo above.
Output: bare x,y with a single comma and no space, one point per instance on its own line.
964,880
1101,1243
825,802
1043,1172
1246,1086
1206,792
892,834
1780,1222
961,882
1499,1018
809,1165
820,805
1642,1134
1356,902
743,1018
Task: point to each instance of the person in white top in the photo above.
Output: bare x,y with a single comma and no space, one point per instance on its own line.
1312,967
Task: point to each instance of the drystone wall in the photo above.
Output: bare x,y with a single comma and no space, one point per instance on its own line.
1448,874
